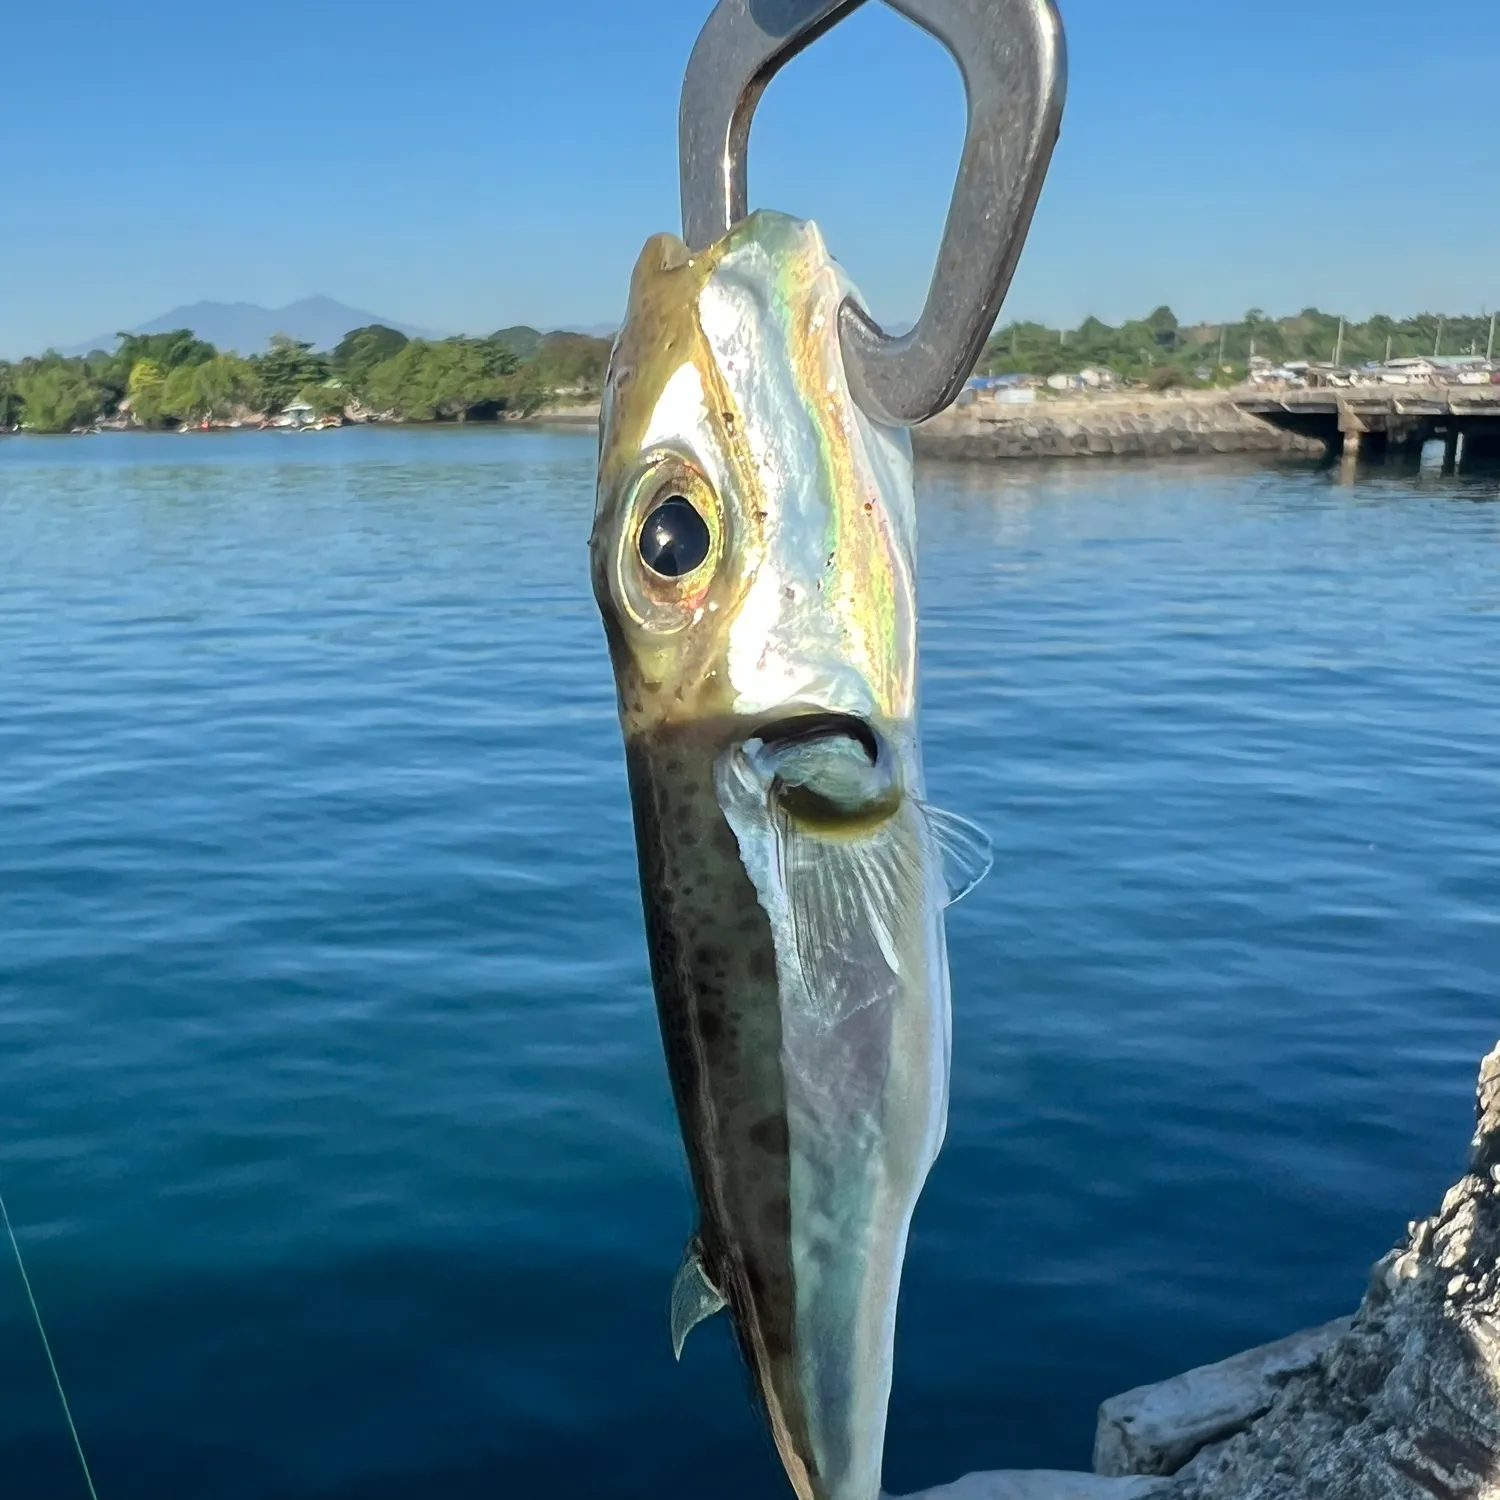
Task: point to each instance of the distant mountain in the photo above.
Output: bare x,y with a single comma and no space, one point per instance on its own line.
246,327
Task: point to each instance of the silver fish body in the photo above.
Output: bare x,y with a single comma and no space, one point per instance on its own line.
793,878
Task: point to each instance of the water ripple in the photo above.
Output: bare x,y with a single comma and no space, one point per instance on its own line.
334,1112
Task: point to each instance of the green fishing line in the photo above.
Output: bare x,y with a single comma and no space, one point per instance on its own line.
36,1313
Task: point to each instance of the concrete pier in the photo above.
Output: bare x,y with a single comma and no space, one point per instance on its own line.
1359,420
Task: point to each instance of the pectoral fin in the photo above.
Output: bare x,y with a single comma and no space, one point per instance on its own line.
853,902
694,1296
965,849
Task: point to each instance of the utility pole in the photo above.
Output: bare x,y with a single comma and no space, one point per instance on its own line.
1489,352
1221,341
1387,348
1338,343
1437,343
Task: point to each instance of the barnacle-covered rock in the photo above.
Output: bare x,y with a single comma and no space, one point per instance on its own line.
1406,1404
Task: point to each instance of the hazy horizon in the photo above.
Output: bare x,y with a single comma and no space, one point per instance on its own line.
1205,162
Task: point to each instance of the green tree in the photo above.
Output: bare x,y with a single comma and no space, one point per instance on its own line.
57,395
1162,322
287,368
167,350
572,361
145,387
447,380
110,370
529,392
10,397
328,398
361,349
215,388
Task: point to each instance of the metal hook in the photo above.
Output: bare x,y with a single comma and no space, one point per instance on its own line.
1012,58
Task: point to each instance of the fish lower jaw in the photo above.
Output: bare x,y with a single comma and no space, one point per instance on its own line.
834,774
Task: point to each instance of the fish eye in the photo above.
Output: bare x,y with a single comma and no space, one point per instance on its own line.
674,538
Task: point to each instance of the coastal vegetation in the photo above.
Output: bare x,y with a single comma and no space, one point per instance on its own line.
1161,352
173,379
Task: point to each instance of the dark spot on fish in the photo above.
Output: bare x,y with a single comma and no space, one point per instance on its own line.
710,1025
728,419
761,965
710,957
868,507
770,1135
673,767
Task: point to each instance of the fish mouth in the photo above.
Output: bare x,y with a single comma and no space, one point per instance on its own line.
826,770
812,726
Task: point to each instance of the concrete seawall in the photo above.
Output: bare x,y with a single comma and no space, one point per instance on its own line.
1129,426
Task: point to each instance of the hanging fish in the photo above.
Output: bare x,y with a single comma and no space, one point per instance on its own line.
753,558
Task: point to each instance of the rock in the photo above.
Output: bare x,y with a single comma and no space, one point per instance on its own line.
1156,1429
1095,426
1400,1402
1040,1484
1406,1404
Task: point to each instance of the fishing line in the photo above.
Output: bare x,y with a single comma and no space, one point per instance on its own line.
36,1313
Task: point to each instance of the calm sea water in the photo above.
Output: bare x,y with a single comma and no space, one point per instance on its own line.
335,1125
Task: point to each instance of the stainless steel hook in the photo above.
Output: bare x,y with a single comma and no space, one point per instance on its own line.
1012,59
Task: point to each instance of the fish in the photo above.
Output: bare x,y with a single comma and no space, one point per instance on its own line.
753,556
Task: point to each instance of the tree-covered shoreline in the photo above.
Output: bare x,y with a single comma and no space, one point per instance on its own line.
169,380
1158,350
165,380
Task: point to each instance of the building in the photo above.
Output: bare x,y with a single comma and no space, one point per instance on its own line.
1008,390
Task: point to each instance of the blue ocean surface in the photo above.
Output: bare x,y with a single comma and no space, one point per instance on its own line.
333,1117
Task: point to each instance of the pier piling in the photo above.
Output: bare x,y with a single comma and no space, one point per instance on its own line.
1352,420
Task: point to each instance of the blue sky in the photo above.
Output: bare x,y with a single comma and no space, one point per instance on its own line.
464,168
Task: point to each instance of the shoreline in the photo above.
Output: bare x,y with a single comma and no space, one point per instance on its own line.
1118,424
1125,424
563,416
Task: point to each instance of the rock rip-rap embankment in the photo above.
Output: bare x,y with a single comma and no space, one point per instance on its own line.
1141,426
1406,1404
1400,1402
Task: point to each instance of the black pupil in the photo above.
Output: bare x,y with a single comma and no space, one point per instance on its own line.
674,539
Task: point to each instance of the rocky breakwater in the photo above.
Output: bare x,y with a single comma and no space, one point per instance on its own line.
1104,426
1399,1402
1406,1404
